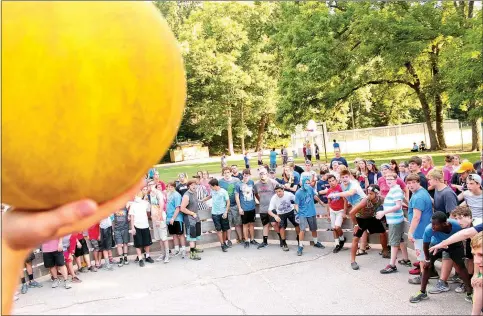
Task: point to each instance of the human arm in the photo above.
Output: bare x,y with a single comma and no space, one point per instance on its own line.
237,200
398,206
461,197
459,236
344,194
361,205
227,208
60,248
184,205
414,223
427,261
206,198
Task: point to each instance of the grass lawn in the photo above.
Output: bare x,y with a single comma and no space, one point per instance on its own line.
170,172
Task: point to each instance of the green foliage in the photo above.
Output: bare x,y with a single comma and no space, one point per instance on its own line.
383,62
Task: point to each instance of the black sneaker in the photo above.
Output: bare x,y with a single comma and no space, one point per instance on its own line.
224,248
342,242
141,263
254,242
121,262
126,262
228,243
285,247
319,245
149,259
137,259
337,249
247,244
262,245
281,243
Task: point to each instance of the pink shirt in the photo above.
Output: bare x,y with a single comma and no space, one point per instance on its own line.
381,182
447,174
50,246
426,171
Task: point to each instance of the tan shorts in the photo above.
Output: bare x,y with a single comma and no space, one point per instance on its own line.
160,231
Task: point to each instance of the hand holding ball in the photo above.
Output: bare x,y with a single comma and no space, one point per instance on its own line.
92,96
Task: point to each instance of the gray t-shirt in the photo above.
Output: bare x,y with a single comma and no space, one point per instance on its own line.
445,200
265,192
475,203
121,220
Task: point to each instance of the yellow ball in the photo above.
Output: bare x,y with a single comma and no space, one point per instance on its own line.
92,96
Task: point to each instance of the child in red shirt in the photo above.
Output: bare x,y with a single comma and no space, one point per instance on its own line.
337,213
94,237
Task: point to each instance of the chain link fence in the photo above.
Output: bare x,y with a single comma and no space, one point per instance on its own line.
397,137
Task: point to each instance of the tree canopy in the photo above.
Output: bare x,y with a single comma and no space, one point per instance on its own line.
257,69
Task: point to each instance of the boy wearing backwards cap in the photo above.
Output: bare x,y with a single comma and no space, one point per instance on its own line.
473,197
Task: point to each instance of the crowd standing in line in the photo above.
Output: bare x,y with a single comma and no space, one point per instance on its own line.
443,207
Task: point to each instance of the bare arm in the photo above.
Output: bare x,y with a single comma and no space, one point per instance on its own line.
356,209
184,204
459,236
414,223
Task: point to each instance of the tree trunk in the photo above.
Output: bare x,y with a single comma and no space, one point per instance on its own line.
439,120
438,102
476,135
261,131
230,133
425,105
242,134
470,9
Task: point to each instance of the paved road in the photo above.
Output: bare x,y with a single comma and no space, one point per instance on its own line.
244,281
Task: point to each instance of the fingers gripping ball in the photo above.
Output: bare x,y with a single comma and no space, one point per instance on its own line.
92,96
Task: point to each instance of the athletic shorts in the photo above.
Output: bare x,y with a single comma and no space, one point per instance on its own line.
284,218
266,219
121,236
83,250
221,224
396,234
193,231
161,231
30,258
67,258
456,252
468,253
372,224
142,238
418,247
248,217
176,228
53,259
95,244
310,222
234,217
106,239
336,218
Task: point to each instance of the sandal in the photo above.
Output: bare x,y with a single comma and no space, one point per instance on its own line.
385,255
361,252
368,247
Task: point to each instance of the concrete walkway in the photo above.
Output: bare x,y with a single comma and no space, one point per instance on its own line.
244,281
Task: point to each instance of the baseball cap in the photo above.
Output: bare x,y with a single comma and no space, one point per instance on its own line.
475,177
465,166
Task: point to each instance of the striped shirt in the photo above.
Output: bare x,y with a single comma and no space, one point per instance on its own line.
395,194
201,193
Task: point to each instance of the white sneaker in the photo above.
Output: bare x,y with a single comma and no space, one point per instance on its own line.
160,258
183,254
166,259
56,283
176,252
67,285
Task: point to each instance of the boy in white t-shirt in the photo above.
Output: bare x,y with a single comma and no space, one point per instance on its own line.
140,226
281,208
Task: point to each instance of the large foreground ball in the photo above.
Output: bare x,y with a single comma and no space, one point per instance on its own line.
92,96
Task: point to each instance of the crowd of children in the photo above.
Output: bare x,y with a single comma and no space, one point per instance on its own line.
443,208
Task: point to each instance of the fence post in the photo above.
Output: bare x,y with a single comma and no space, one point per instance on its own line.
369,139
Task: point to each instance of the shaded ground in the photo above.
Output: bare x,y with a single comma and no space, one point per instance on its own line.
244,281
